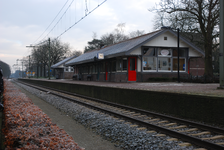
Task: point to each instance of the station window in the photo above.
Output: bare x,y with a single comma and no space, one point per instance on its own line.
164,64
94,70
149,63
125,64
90,69
113,66
163,59
119,65
66,69
149,59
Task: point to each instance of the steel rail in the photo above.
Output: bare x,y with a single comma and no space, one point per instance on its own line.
172,133
187,122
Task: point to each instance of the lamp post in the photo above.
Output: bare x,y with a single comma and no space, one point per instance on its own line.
15,68
22,65
49,42
178,55
178,52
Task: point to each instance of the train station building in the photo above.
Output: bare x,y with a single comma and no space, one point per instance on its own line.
61,71
135,60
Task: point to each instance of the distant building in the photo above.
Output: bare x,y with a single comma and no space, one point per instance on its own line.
138,59
62,71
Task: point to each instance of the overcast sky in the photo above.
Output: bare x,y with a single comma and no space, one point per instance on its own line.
22,22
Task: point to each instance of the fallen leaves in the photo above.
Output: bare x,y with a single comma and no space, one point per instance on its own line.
27,127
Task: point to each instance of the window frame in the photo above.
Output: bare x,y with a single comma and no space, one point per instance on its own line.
157,56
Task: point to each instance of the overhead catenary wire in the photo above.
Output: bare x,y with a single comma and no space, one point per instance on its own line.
59,19
81,19
86,14
51,21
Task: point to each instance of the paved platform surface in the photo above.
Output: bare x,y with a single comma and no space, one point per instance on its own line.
171,87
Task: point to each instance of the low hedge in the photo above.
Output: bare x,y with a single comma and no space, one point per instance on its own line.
27,127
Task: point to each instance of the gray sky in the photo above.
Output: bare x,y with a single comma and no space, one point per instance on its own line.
22,22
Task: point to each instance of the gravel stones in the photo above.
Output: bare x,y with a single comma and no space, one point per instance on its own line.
111,129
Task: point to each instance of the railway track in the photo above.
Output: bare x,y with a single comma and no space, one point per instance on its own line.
194,133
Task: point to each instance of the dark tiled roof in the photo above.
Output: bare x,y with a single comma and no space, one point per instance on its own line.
112,50
62,62
123,48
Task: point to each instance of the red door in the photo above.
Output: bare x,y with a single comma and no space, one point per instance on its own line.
132,66
106,71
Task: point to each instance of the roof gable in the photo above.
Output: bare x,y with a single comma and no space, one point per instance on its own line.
126,47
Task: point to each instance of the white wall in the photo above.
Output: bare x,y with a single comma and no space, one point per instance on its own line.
170,42
138,65
137,51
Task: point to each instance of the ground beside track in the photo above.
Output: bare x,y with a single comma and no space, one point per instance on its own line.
84,137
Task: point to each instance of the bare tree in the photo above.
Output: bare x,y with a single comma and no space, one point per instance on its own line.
136,33
194,16
74,53
58,51
116,36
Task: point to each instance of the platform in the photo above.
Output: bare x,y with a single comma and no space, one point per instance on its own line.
201,102
171,87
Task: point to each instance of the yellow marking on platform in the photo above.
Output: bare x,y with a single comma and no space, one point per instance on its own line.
160,135
165,121
214,137
201,133
170,124
134,125
152,131
143,128
157,119
172,139
200,149
185,144
189,130
178,127
220,143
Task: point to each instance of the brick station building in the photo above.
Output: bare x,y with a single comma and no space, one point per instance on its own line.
138,59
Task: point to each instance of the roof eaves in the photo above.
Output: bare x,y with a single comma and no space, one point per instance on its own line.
63,62
79,62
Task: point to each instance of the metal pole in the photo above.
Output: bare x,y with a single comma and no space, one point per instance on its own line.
22,69
221,58
49,58
29,67
178,51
